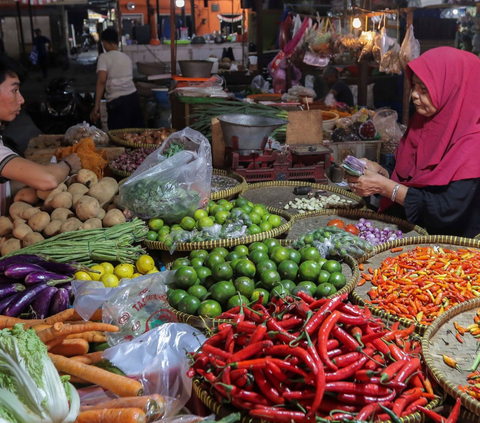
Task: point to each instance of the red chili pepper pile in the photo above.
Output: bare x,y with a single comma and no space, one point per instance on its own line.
423,283
301,358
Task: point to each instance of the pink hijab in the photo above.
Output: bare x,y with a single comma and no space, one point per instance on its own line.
445,147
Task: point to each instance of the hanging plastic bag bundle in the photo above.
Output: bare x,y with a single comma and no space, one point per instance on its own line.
410,49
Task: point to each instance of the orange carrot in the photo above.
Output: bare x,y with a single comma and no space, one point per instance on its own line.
91,358
96,317
51,333
8,322
54,342
71,348
112,415
39,328
91,336
74,379
59,329
120,385
67,314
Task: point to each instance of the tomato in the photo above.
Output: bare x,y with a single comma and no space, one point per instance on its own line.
337,222
352,229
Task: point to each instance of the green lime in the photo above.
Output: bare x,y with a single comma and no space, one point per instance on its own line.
287,284
198,291
258,210
338,280
308,239
221,217
254,230
209,308
258,246
223,291
310,253
222,272
176,227
265,265
258,293
271,243
198,254
279,291
258,256
176,296
237,300
233,255
226,204
196,262
187,223
162,238
152,236
265,226
332,266
245,268
323,277
246,208
244,285
325,290
242,250
265,216
220,250
199,214
309,271
322,261
185,277
180,262
155,224
275,220
239,202
251,204
256,218
205,222
189,304
295,255
212,259
209,282
269,279
165,230
279,254
288,269
311,286
202,273
215,209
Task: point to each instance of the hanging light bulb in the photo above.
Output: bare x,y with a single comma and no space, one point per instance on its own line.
356,23
179,3
455,11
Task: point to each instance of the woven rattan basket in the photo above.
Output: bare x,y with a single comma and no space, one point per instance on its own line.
434,345
380,253
228,243
349,265
115,134
119,173
278,194
230,193
477,237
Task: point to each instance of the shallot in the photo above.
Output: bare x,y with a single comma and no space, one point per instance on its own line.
377,236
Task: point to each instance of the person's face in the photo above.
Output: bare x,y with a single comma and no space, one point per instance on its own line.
10,99
421,98
38,33
330,80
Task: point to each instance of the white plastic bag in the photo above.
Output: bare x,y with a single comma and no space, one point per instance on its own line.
258,83
83,130
138,307
158,360
171,188
410,49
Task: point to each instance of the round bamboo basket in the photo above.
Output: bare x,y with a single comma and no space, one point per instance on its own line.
228,243
382,252
278,193
230,193
477,237
440,339
115,134
119,173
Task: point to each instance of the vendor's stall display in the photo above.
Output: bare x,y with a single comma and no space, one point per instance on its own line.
359,126
452,363
128,162
416,280
224,224
38,215
140,137
296,360
226,185
296,197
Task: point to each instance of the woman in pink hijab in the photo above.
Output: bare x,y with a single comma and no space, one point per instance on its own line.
437,172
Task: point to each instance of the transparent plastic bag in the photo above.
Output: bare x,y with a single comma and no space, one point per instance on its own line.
188,418
390,62
390,130
138,307
258,83
171,188
367,41
410,49
83,130
158,360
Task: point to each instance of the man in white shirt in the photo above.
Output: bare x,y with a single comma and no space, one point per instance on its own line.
115,79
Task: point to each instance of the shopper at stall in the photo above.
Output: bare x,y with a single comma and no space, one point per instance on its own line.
436,177
115,79
13,167
43,46
338,88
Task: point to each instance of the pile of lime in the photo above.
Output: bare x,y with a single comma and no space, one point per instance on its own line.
206,284
255,216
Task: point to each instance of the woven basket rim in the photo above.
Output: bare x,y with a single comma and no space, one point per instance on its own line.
231,191
405,242
120,173
336,190
228,243
470,403
117,140
476,236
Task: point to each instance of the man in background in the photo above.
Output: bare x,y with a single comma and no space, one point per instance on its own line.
338,88
40,42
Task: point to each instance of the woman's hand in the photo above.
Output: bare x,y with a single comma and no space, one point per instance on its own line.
95,115
375,167
368,184
74,161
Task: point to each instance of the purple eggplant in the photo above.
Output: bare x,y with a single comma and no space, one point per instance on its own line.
23,299
68,287
21,258
41,304
9,289
21,270
64,269
5,302
60,302
43,276
5,279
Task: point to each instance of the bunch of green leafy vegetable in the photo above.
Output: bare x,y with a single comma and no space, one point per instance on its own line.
31,391
174,148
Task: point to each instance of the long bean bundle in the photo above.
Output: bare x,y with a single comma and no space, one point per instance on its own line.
93,245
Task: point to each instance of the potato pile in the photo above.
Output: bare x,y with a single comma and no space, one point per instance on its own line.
156,136
83,202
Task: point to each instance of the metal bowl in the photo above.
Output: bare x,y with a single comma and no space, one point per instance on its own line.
248,132
196,68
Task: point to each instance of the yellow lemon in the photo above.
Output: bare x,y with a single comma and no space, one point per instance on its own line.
153,271
83,276
109,280
107,266
123,271
99,270
145,264
136,275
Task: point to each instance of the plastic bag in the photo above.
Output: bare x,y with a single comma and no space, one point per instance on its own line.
138,307
298,93
258,83
84,130
390,62
158,360
410,49
367,40
171,188
387,126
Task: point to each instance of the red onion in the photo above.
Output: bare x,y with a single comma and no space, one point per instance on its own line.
376,236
